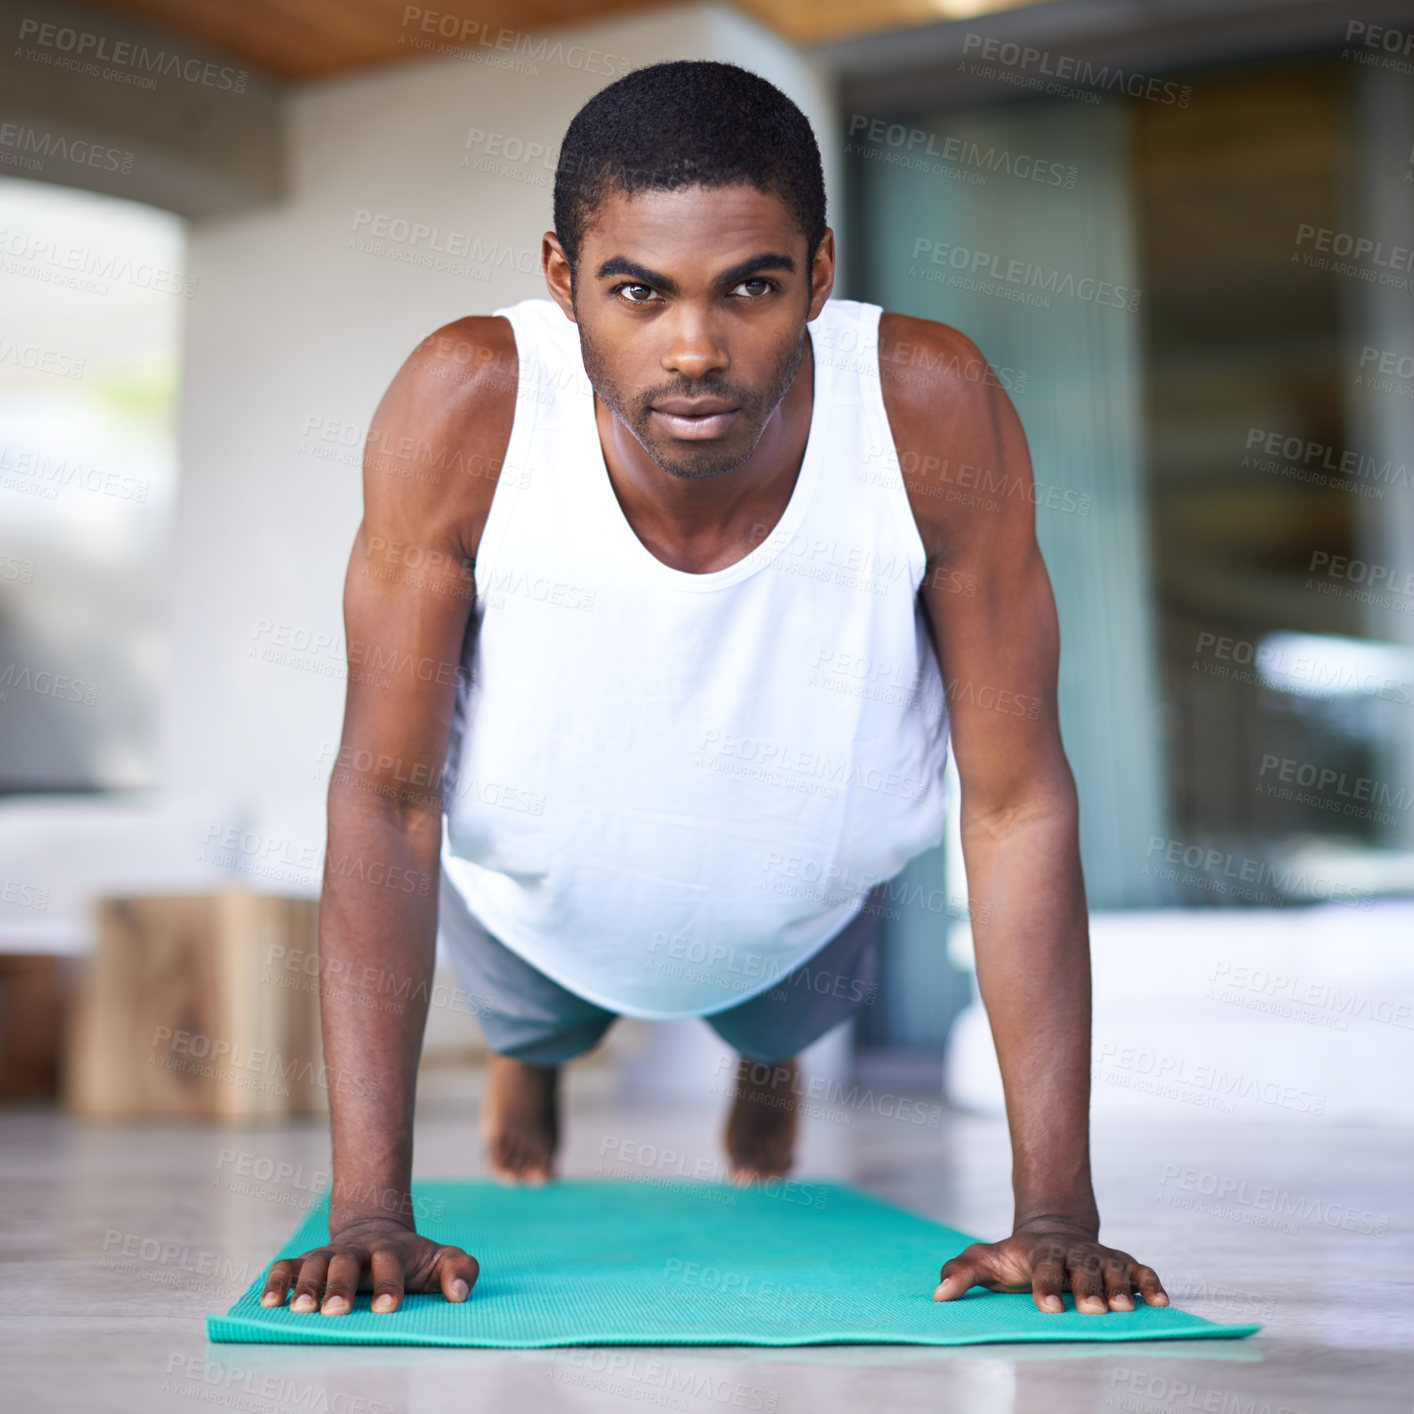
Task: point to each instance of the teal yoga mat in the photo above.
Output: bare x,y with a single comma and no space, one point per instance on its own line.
587,1262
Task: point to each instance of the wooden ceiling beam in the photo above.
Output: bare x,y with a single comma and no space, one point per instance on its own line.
304,40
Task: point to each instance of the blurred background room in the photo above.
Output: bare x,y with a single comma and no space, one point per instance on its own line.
1180,233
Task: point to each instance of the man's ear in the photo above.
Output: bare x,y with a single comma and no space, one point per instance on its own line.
822,274
559,277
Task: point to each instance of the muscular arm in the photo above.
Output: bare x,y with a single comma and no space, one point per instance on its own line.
408,599
989,603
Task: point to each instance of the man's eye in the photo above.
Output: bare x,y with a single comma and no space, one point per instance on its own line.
645,292
756,288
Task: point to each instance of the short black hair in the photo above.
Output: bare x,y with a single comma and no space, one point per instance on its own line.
688,122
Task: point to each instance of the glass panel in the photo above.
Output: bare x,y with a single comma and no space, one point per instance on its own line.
93,290
1283,703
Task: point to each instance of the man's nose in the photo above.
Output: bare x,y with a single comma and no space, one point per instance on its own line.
694,349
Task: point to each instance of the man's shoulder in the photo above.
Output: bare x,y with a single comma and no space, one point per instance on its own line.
439,437
473,357
456,389
959,441
927,366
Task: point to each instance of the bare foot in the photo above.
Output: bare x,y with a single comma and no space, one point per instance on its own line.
761,1129
520,1119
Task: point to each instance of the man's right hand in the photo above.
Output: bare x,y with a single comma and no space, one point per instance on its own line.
377,1254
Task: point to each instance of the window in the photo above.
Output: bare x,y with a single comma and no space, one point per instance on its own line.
92,291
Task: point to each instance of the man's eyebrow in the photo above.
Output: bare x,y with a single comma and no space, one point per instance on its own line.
621,265
767,260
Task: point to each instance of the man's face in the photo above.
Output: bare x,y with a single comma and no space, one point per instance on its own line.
692,307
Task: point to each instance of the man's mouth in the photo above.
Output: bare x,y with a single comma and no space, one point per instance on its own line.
695,419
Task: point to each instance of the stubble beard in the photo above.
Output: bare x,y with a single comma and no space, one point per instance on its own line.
636,412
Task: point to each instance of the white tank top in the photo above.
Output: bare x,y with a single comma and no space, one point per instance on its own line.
668,790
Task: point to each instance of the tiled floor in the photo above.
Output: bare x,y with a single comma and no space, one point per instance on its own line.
116,1241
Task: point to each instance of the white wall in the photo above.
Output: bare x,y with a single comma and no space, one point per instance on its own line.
292,325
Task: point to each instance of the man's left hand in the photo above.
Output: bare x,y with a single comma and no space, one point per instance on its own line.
1044,1257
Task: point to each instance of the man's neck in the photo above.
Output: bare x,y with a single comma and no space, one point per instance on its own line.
701,524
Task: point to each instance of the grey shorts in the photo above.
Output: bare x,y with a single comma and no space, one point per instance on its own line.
528,1016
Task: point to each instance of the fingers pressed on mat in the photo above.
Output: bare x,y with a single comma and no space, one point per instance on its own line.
386,1269
1047,1282
956,1277
1117,1283
1150,1287
310,1285
456,1273
1087,1283
345,1270
277,1284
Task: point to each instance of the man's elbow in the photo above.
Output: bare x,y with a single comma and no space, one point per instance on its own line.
367,800
1051,803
